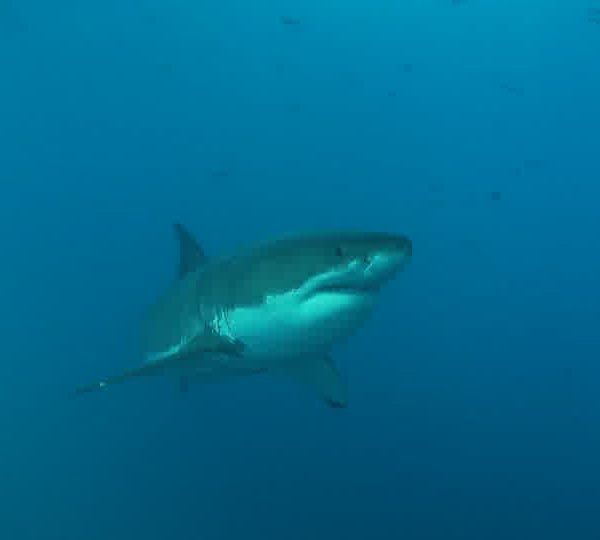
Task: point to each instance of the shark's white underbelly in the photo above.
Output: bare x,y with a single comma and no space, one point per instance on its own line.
288,326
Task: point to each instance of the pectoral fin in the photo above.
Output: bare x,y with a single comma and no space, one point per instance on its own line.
322,376
143,371
184,359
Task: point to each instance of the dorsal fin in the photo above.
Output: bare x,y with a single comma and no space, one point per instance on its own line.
191,255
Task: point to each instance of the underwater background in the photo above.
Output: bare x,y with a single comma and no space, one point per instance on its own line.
472,126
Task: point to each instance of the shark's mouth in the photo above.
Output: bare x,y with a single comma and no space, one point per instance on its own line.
346,288
352,282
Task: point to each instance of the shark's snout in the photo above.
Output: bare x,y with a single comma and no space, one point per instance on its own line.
403,252
398,246
405,246
390,259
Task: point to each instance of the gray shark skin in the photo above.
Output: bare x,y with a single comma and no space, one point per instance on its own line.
278,307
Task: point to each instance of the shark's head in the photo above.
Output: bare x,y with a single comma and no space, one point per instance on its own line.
316,289
348,263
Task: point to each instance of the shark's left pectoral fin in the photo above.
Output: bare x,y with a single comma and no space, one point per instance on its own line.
320,374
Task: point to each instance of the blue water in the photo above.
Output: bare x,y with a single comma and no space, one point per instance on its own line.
473,127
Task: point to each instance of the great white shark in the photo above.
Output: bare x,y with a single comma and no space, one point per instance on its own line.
278,308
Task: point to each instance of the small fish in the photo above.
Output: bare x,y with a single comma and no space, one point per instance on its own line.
10,21
295,108
514,90
220,173
290,21
532,163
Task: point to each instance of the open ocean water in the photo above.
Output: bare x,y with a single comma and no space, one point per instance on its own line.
472,126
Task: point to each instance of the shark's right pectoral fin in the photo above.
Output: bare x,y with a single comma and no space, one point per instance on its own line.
143,371
184,359
320,374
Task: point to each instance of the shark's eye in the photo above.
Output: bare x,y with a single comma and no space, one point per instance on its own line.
339,251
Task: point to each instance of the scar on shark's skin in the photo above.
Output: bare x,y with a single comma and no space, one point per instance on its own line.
276,308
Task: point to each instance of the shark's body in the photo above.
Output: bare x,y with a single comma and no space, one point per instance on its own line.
278,308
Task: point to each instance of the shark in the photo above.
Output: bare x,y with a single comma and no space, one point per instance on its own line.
277,307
